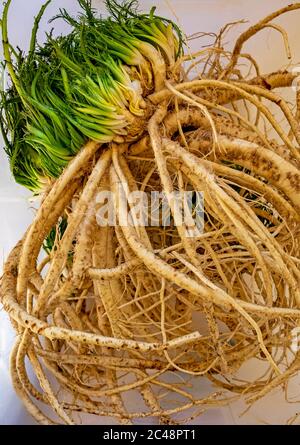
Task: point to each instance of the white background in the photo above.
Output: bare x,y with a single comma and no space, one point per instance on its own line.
16,211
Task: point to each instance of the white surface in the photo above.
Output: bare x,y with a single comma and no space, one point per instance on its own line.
15,211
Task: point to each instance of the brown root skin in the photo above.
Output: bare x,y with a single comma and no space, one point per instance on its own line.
61,255
285,209
264,163
203,84
191,117
22,393
37,231
198,169
271,81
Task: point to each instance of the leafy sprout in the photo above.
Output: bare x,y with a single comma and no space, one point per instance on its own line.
86,85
